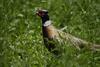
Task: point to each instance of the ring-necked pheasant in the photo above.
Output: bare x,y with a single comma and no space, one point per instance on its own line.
50,33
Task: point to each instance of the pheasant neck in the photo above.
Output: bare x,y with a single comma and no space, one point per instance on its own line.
45,20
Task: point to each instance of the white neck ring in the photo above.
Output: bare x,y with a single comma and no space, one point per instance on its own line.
47,23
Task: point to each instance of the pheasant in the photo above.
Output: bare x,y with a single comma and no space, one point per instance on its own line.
50,33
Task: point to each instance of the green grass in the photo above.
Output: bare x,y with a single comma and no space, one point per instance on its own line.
21,43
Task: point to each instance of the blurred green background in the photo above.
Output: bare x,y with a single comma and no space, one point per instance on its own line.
21,43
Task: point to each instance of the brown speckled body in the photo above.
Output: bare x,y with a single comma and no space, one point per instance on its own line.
49,34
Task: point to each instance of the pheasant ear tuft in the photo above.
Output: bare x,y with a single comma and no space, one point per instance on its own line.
46,11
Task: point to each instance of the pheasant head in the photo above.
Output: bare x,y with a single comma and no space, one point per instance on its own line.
43,14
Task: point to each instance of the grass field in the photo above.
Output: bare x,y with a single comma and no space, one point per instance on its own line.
21,43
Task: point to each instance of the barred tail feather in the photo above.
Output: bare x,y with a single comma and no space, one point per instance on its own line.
77,42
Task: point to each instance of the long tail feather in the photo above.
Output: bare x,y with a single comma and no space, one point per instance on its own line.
77,42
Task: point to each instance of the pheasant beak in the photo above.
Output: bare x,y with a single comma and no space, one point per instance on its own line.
37,13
